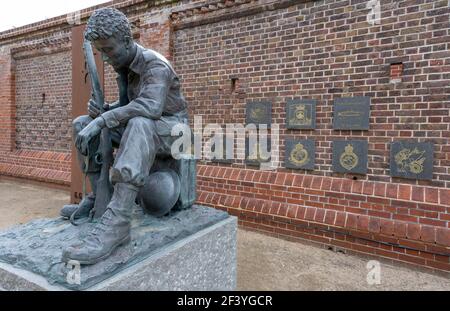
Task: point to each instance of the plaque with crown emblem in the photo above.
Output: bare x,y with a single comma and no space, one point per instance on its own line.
301,114
300,154
259,113
257,151
350,156
351,113
412,160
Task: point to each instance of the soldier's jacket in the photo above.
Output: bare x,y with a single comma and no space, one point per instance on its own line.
154,92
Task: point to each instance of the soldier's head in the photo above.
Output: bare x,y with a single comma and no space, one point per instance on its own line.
109,31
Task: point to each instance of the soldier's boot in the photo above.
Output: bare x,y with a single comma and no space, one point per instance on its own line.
83,209
112,230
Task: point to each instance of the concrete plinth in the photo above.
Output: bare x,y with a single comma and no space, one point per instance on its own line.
193,249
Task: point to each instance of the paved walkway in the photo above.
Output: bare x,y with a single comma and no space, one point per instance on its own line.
264,263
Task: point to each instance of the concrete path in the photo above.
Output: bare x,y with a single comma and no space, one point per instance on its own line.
264,263
22,202
267,263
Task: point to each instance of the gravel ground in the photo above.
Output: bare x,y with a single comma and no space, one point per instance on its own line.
264,263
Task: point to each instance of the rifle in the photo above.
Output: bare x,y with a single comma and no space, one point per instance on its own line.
104,155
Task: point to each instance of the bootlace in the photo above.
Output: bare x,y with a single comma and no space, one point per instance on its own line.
104,223
74,222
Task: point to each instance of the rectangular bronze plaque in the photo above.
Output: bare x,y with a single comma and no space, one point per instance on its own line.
259,113
351,113
350,156
301,114
227,148
412,160
300,154
258,153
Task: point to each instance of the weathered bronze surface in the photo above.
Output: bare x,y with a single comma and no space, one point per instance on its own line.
139,125
350,156
220,152
351,113
412,160
257,151
259,113
301,114
300,154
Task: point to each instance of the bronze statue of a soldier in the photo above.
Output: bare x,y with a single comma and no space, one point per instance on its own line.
140,129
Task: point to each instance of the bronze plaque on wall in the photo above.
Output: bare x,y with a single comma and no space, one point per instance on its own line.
301,114
350,156
220,154
259,113
300,154
351,113
259,152
412,160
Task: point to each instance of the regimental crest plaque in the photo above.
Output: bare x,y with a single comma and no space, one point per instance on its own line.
259,113
412,160
301,114
351,113
350,156
257,151
300,154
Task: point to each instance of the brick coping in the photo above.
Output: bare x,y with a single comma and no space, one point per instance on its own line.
84,14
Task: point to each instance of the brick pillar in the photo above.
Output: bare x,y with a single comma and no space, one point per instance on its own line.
156,32
7,104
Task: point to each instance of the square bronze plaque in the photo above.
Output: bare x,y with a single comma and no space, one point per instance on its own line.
300,154
301,114
227,148
350,156
351,113
259,113
412,160
259,153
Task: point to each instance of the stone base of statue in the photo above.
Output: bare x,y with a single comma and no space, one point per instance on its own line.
193,249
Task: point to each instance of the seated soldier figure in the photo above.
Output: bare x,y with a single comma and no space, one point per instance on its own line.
140,129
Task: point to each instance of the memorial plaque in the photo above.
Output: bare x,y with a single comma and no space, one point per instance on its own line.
351,113
350,156
260,153
227,148
300,154
301,114
259,113
412,160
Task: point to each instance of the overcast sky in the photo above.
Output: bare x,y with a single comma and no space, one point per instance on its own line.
16,13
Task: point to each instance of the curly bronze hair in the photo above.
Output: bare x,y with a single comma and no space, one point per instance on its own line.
107,22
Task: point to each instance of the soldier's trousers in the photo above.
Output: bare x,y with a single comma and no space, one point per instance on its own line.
138,144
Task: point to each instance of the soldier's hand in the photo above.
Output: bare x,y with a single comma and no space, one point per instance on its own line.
93,109
90,131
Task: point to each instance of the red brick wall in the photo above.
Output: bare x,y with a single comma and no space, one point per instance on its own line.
43,120
280,50
35,136
323,50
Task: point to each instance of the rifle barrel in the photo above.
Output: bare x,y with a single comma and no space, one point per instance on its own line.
97,93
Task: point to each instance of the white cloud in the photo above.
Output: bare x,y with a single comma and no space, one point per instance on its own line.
16,13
